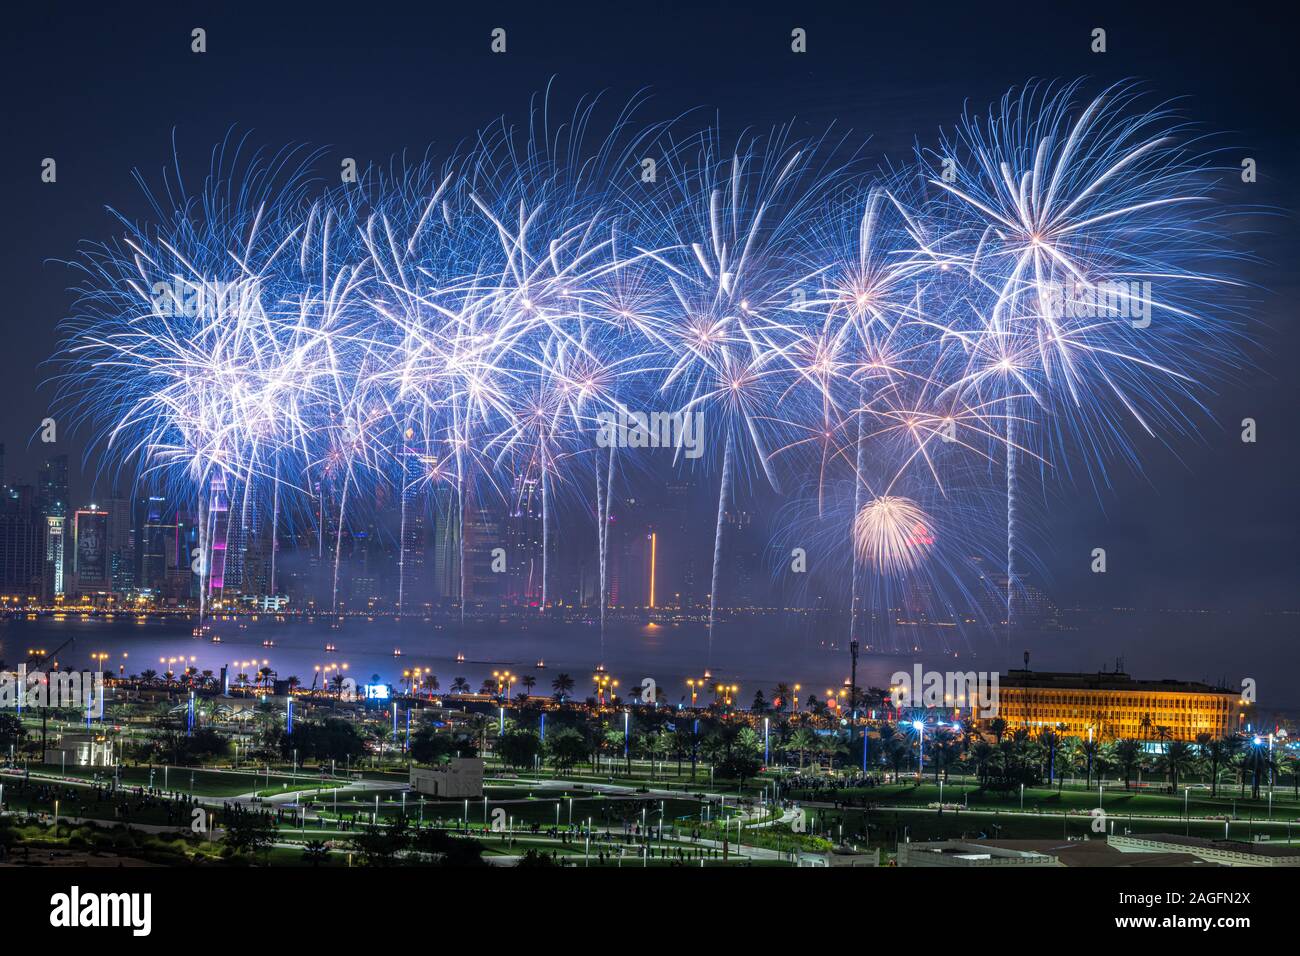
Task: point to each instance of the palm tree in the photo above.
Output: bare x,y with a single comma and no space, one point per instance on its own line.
997,727
1145,724
1128,753
562,685
659,745
1065,764
1105,759
802,741
479,724
1052,742
1088,751
528,682
315,852
982,755
1259,761
460,686
1220,752
887,734
381,733
781,698
1179,759
941,750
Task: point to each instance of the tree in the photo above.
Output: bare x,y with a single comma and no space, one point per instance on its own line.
612,740
759,706
683,746
451,851
982,755
248,831
432,747
330,739
998,728
1259,762
1050,740
1066,764
380,845
1087,757
658,745
519,748
801,742
479,724
1290,762
381,733
315,852
1220,753
747,739
173,744
832,746
528,682
563,686
1128,754
12,732
460,686
536,859
739,766
1179,759
566,748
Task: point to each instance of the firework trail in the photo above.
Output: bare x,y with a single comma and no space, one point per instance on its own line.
1084,223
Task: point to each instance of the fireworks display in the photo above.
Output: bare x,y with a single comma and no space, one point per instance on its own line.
896,352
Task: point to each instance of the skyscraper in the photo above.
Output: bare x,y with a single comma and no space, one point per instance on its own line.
52,499
90,552
22,543
446,549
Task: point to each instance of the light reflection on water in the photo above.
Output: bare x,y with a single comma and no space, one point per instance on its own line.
756,654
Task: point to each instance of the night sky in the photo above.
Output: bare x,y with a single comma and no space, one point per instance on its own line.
1210,523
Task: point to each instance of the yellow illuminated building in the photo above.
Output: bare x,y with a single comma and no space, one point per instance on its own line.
1114,706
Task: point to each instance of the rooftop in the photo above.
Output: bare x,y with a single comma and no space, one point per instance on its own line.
1262,849
1105,680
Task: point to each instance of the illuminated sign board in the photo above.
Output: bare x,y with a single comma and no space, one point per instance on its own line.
377,692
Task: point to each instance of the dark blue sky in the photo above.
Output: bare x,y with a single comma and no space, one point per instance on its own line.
102,91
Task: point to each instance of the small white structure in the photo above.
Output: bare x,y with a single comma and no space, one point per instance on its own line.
841,856
960,853
81,750
460,777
